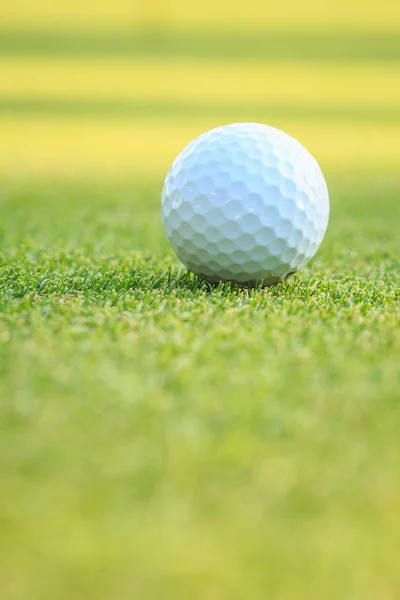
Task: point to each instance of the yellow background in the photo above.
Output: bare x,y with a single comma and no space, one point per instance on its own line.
146,140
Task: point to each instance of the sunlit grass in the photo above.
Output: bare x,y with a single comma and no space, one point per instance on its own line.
309,83
121,146
161,435
227,13
295,46
209,93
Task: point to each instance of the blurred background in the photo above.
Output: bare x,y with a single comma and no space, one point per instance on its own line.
118,86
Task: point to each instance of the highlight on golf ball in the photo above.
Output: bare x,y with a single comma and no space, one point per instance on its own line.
245,203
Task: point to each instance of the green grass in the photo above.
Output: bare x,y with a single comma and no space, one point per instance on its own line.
162,438
93,109
328,45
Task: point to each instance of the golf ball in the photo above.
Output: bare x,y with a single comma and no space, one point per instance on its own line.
246,203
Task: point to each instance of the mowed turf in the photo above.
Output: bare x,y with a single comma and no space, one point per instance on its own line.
164,438
161,438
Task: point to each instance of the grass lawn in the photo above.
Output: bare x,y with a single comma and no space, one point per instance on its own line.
160,438
164,439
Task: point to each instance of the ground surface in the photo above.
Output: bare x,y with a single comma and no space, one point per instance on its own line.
160,438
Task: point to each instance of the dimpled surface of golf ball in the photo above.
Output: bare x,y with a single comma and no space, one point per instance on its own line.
246,203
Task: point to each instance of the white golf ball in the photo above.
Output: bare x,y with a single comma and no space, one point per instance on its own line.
245,203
